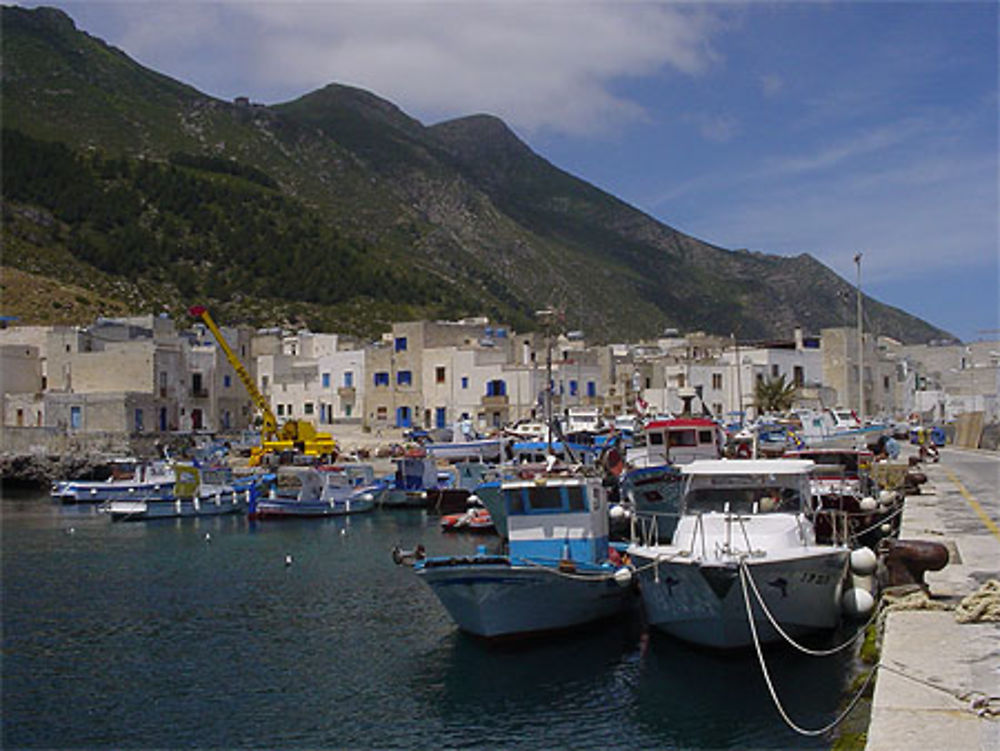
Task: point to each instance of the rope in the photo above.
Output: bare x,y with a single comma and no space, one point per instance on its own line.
981,606
745,570
770,684
978,701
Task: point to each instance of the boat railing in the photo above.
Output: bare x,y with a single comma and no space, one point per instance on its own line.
646,526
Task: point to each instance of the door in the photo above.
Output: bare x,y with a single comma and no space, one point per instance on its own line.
403,417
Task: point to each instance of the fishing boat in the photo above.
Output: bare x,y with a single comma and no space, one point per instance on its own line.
744,541
556,574
197,491
652,480
129,478
330,491
416,476
850,504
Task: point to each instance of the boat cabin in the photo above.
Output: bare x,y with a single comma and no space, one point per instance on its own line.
557,517
752,486
838,471
677,441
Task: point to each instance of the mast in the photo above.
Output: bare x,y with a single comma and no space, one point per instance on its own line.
861,350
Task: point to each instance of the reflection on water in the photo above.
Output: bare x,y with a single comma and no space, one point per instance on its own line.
195,633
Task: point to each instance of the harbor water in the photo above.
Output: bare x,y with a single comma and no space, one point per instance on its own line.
198,633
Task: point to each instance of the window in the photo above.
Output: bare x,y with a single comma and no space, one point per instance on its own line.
591,388
227,381
163,384
465,382
263,382
381,378
382,413
496,388
717,408
401,344
404,378
138,421
347,409
572,388
705,436
289,410
716,381
75,415
281,410
775,371
681,438
439,374
885,382
196,385
680,381
798,376
348,379
326,380
308,408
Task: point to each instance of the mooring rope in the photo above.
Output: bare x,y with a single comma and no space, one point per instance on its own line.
770,684
745,570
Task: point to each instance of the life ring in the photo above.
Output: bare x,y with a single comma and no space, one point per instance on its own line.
743,451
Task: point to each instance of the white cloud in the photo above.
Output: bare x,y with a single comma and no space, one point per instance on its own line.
550,65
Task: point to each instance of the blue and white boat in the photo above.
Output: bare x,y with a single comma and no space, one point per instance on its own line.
556,574
197,491
652,480
129,478
333,491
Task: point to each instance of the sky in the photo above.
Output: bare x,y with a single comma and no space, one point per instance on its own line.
828,128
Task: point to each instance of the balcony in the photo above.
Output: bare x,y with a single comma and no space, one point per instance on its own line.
495,402
347,393
199,393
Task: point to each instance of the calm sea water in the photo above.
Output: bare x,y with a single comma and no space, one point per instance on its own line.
148,635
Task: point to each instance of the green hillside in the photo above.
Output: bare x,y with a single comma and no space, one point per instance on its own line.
339,211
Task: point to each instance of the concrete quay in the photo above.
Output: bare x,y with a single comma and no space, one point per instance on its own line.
934,668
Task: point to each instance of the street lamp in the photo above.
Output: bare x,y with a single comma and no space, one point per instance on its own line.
861,350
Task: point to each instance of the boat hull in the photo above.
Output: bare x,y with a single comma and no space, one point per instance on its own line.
703,603
153,508
269,509
502,599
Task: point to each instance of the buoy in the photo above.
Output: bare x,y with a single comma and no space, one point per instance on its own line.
288,560
616,512
343,531
868,504
885,529
886,496
863,561
623,576
208,537
857,602
71,531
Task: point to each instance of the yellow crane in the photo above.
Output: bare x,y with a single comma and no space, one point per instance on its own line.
294,435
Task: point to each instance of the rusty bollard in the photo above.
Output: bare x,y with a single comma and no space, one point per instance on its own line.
907,561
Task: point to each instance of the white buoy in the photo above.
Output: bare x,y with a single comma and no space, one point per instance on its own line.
623,576
857,602
616,512
868,504
288,560
885,529
863,561
208,537
343,531
886,496
71,531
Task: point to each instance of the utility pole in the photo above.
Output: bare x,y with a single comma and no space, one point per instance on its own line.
861,349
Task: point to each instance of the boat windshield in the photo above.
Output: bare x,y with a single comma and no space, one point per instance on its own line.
745,494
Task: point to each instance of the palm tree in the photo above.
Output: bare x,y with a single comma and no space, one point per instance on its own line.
774,395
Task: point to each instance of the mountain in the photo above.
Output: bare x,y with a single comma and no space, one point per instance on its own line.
338,210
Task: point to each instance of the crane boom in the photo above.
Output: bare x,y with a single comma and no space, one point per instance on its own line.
269,428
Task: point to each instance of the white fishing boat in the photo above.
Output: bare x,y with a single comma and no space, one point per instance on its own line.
197,491
556,575
129,478
744,541
330,491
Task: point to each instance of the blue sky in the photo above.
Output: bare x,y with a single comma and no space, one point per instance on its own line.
824,128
